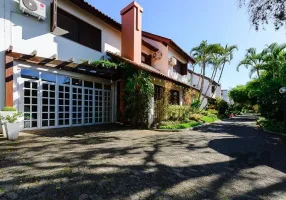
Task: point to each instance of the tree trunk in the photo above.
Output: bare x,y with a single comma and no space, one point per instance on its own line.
211,81
203,80
258,74
218,82
200,77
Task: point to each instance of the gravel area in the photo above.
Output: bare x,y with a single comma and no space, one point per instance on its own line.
231,159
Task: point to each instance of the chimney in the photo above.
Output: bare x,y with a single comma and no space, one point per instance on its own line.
131,33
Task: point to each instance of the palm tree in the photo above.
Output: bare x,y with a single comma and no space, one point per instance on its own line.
275,59
227,57
216,61
253,60
203,56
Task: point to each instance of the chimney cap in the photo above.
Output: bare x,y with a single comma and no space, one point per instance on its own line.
130,6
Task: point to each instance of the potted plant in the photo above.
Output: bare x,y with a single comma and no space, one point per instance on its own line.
11,124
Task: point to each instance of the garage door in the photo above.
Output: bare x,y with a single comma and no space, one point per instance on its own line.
51,100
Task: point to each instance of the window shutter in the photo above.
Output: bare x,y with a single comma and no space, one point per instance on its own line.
54,20
149,60
184,69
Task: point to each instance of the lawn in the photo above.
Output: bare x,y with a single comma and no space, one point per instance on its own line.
181,126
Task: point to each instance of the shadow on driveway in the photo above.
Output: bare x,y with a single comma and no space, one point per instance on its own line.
227,160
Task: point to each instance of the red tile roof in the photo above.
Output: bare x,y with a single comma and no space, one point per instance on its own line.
149,69
91,9
97,13
169,42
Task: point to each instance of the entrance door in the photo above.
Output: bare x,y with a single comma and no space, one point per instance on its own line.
31,104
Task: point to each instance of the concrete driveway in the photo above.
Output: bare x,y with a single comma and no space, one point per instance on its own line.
226,160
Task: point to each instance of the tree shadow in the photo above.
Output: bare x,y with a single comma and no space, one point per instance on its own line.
128,164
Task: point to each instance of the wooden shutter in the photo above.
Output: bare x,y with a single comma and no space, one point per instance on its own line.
149,60
54,18
184,70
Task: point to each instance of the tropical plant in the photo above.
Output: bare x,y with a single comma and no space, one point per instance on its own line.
227,58
275,61
253,61
139,91
203,54
263,93
11,118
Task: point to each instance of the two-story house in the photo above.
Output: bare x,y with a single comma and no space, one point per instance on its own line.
42,73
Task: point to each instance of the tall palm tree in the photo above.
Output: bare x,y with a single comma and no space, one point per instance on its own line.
227,57
253,60
216,62
203,55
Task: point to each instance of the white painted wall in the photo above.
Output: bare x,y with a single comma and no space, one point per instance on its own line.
161,64
30,34
171,72
26,34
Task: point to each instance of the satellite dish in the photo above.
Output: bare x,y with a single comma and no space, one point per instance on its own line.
30,5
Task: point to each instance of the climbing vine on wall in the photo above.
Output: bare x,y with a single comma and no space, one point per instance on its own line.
162,105
139,91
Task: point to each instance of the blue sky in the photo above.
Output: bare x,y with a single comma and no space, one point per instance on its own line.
188,22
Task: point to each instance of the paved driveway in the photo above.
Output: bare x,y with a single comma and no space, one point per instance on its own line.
226,160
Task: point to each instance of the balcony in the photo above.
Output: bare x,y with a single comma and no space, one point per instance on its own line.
175,75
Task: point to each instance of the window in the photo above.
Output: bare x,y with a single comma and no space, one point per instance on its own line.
181,68
158,92
78,30
146,59
29,74
174,97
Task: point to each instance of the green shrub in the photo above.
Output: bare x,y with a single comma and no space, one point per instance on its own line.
196,117
212,112
9,109
272,125
178,113
203,112
180,126
222,107
235,108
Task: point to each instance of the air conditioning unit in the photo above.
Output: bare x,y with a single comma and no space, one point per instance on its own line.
157,55
34,8
173,61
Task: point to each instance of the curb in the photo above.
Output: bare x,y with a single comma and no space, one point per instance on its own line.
271,132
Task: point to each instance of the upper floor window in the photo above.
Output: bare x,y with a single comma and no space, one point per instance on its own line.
181,68
146,59
78,30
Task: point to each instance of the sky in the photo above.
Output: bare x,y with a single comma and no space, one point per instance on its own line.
188,22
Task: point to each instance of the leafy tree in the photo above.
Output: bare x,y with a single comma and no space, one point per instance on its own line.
264,91
265,11
239,94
